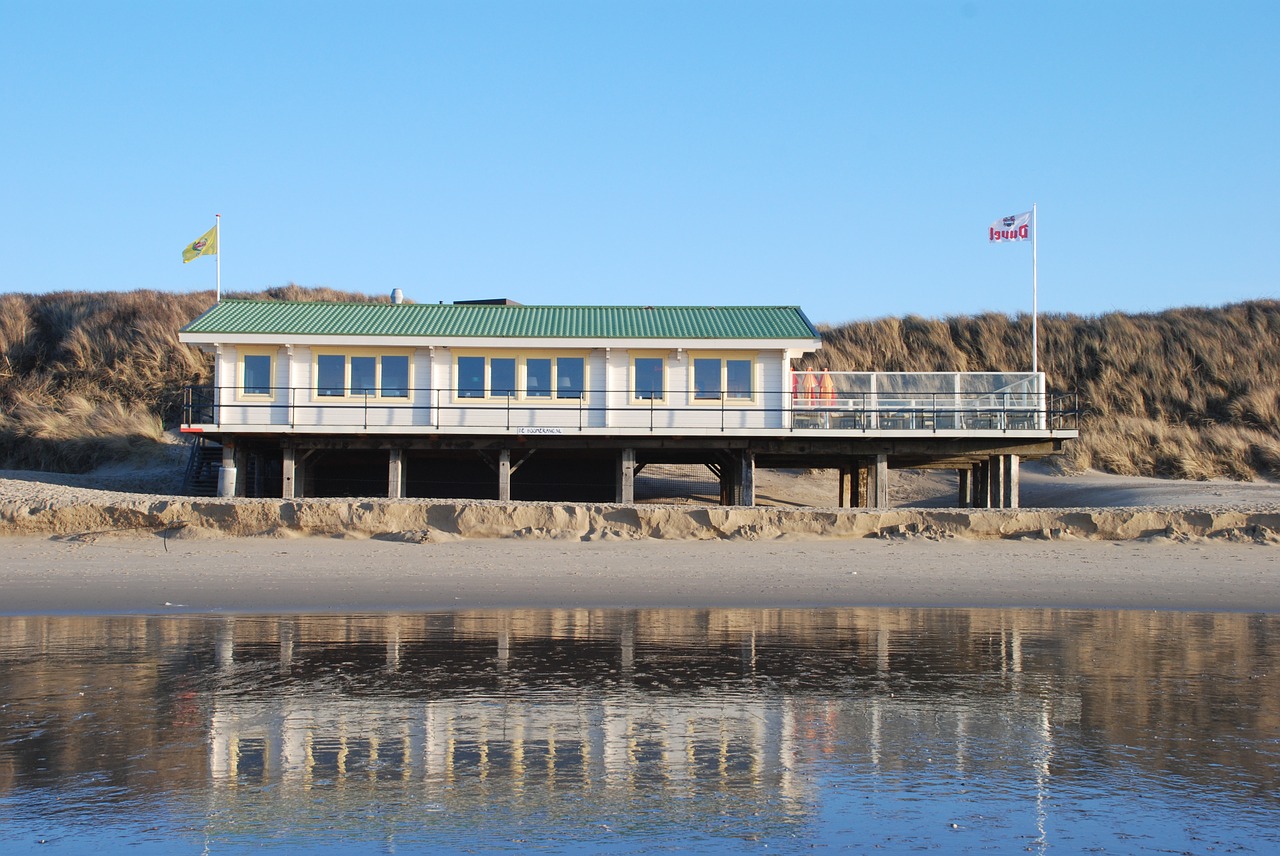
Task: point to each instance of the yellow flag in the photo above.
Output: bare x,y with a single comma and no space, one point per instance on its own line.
205,245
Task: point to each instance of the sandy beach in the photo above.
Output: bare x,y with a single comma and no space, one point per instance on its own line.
1217,551
259,575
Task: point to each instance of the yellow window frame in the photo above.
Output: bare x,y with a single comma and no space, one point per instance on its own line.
522,380
633,396
272,353
725,357
347,353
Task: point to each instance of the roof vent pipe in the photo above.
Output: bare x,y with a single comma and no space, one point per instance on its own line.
397,296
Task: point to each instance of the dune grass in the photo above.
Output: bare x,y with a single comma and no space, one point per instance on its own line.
1186,393
88,378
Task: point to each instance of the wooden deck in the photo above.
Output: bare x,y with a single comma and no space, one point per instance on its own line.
861,424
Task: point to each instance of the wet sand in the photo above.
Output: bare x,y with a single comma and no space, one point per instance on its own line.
149,574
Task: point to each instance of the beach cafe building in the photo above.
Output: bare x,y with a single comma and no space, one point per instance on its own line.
492,399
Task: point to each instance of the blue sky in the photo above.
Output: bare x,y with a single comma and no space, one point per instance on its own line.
846,156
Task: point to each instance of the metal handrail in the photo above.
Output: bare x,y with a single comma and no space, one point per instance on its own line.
444,409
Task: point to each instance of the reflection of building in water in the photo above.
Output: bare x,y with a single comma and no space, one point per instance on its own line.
614,703
552,701
619,739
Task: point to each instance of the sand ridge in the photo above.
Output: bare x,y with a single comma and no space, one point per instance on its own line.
76,547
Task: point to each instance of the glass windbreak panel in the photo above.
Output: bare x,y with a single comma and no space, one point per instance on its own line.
537,378
395,377
502,377
649,378
570,377
470,377
706,379
364,378
738,378
257,374
331,374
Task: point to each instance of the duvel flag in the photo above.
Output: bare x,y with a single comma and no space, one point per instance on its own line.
1015,227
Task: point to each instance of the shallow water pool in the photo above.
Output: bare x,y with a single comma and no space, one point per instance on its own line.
615,731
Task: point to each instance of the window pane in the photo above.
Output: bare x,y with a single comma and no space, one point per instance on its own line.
502,377
537,378
395,377
706,379
738,378
470,377
569,377
649,378
331,374
257,374
363,375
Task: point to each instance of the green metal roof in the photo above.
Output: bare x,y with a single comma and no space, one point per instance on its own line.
467,320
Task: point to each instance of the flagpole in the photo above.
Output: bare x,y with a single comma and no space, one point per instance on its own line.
1034,296
218,257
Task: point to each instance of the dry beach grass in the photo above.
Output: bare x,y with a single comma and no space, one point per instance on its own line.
88,382
88,378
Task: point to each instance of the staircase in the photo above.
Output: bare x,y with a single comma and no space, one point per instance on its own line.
203,466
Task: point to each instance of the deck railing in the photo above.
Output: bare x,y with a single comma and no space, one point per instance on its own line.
836,402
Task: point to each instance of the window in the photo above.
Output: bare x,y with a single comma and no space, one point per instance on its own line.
331,375
362,375
257,375
502,377
395,377
648,379
706,379
738,379
546,378
471,377
723,378
570,377
537,377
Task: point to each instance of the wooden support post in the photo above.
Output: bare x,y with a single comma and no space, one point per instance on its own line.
978,481
841,476
880,492
747,479
964,477
861,486
1011,479
395,474
995,481
287,471
504,475
242,471
626,481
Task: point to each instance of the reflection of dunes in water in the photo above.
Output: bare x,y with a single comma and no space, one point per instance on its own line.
667,681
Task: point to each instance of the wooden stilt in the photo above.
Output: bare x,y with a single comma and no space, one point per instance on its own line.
626,481
289,488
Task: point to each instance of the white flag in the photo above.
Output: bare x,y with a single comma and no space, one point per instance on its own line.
1015,227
